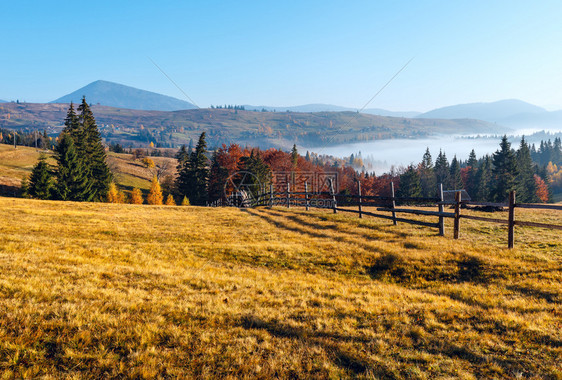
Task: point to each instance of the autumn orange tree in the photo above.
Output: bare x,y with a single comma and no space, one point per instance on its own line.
136,197
155,196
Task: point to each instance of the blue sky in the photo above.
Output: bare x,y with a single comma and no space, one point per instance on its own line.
288,53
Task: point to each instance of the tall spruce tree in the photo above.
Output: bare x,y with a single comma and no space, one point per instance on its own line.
72,181
442,170
484,180
409,184
72,127
525,181
96,168
471,175
194,175
455,175
218,177
41,181
428,180
295,156
260,172
504,170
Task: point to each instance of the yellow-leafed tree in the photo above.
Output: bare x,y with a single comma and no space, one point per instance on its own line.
155,196
112,193
136,197
185,202
170,200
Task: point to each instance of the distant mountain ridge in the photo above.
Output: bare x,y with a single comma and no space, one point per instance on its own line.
3,101
492,112
333,108
511,113
121,96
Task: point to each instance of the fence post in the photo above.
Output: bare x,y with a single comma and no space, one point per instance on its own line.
457,214
359,191
511,220
393,206
271,196
288,195
307,205
334,202
441,210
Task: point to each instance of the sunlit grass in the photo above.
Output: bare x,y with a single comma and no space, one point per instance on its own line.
102,290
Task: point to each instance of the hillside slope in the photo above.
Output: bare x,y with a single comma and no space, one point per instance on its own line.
15,164
264,129
142,291
121,96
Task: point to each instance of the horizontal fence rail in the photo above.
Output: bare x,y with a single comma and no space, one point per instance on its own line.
387,204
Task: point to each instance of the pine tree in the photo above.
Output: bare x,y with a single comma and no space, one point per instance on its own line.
41,181
525,180
97,171
72,127
455,175
442,170
260,173
484,180
182,156
218,177
294,156
155,196
170,200
194,175
136,197
428,180
504,170
72,182
409,184
471,178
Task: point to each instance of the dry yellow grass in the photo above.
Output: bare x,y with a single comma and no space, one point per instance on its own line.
15,164
104,290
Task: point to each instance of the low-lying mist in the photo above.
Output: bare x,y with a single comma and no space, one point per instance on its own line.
383,155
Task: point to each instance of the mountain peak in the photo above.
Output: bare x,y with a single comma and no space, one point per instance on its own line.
121,96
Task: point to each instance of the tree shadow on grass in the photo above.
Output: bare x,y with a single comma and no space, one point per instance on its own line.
319,235
348,361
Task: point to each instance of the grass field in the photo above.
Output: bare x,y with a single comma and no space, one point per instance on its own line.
102,290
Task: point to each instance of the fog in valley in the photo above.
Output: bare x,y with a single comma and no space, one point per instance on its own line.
383,155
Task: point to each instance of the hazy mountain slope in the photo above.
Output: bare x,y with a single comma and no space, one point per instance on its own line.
3,101
333,108
492,112
264,129
121,96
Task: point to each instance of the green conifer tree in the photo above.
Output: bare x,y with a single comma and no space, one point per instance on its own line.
484,180
428,180
96,168
41,181
504,170
471,178
194,175
455,175
525,180
72,182
409,184
442,170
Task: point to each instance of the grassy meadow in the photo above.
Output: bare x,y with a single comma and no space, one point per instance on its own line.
15,164
103,290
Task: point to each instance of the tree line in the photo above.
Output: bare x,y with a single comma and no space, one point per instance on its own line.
489,178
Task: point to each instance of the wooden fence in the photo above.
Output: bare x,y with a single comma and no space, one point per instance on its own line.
388,204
